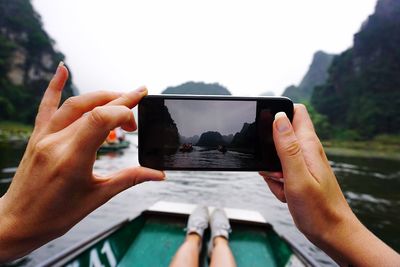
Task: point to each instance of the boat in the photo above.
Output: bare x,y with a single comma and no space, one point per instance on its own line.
153,236
186,148
107,147
222,148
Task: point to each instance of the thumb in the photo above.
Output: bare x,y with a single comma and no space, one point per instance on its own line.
129,177
288,148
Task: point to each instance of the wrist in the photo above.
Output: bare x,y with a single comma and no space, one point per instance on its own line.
13,243
340,239
350,243
5,244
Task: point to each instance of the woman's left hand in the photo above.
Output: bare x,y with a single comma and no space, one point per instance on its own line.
54,186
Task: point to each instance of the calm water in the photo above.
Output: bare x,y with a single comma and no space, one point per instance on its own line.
202,157
371,187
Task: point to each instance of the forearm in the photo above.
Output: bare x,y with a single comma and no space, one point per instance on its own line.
14,240
6,248
352,244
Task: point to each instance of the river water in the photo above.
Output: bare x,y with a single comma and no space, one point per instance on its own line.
371,187
202,157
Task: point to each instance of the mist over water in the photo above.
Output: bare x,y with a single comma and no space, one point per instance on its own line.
370,186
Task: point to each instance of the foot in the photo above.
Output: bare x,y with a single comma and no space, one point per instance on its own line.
219,223
198,221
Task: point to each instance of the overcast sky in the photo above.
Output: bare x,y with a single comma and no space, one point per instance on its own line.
196,117
248,46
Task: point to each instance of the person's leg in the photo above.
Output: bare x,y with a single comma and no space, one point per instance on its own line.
188,252
221,253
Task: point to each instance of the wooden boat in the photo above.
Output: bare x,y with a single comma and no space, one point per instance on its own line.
113,147
153,237
186,148
222,149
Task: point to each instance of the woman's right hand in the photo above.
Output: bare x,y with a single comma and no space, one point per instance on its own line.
55,187
315,200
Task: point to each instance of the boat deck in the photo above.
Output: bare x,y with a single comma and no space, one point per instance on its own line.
153,237
251,245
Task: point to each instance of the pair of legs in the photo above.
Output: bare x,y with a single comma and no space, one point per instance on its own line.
188,253
221,254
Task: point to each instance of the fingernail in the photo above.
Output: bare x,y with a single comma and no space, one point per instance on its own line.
141,89
164,176
282,122
280,180
59,67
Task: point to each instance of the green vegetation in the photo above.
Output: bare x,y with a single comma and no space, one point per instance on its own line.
382,146
362,93
354,98
14,131
27,62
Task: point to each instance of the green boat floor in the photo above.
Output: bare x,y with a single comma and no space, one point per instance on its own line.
157,242
155,245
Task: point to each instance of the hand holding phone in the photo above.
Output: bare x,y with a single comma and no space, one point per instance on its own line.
209,132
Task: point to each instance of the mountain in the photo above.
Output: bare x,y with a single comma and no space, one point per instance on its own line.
28,60
211,139
245,139
316,75
192,140
162,132
268,93
362,92
197,88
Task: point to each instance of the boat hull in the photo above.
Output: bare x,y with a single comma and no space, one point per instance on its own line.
153,237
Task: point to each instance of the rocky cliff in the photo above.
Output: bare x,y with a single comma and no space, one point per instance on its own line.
211,139
362,91
316,75
27,61
246,138
161,130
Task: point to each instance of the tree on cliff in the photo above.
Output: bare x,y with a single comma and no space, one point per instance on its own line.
27,61
362,92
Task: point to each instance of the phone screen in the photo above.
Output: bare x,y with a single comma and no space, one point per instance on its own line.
209,133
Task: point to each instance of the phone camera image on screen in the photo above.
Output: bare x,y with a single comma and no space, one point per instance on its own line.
208,133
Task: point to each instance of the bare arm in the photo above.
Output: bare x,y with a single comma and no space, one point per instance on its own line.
54,186
315,199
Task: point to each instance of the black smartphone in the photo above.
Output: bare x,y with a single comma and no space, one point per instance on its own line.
210,133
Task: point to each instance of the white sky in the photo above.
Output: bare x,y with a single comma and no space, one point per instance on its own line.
248,46
192,117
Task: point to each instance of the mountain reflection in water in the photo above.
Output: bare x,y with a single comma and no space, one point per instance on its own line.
370,186
202,157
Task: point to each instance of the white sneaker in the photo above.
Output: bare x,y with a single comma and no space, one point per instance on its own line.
219,223
198,221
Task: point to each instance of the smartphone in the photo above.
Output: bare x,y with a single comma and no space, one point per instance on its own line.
210,133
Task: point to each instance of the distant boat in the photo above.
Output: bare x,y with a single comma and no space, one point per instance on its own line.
186,148
106,147
222,149
152,238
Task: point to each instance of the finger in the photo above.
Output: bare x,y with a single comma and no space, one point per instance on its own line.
52,96
276,188
92,129
310,144
289,150
130,99
130,177
74,107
